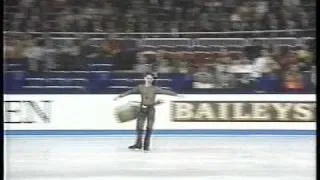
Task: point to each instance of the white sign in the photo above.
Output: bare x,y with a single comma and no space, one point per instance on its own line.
96,112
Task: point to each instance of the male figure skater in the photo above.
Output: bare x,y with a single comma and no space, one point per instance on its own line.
148,95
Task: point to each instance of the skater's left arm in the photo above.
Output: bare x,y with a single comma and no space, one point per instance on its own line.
131,91
165,91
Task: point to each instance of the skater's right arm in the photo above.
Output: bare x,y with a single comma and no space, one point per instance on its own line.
131,91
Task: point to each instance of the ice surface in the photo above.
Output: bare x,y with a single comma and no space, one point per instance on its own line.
176,158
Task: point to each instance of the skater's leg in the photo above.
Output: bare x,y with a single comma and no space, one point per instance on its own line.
139,130
150,117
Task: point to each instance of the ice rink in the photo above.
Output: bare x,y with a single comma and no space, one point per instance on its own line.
243,157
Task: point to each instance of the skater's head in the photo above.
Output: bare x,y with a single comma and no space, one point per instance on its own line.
149,78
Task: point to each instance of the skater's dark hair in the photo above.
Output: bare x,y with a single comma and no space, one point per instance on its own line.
153,75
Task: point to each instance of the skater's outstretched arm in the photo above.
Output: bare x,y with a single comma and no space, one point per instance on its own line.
165,91
131,91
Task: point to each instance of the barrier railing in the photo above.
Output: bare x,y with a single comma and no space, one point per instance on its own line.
261,33
221,42
189,41
166,41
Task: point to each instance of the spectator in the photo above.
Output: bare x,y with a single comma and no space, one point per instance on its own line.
261,8
241,69
270,81
162,63
304,20
64,59
88,52
221,68
35,54
75,54
34,24
19,51
9,51
236,21
18,23
181,63
142,65
69,57
174,28
276,53
260,64
110,49
304,57
164,66
90,23
288,59
203,78
97,26
290,24
263,66
182,67
107,10
50,55
272,66
293,80
273,22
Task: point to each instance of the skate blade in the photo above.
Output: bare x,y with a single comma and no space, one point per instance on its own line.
136,149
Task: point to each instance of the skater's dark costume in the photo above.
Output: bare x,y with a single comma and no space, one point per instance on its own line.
147,110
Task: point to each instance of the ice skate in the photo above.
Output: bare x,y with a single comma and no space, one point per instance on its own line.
135,147
146,149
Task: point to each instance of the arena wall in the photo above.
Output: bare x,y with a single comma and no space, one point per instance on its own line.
203,113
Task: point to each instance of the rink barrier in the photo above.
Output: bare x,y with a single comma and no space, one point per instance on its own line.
87,113
195,132
164,33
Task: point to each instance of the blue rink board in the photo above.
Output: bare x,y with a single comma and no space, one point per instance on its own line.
195,132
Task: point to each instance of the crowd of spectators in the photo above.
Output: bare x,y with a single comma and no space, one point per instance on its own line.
45,54
157,15
222,68
293,65
272,69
